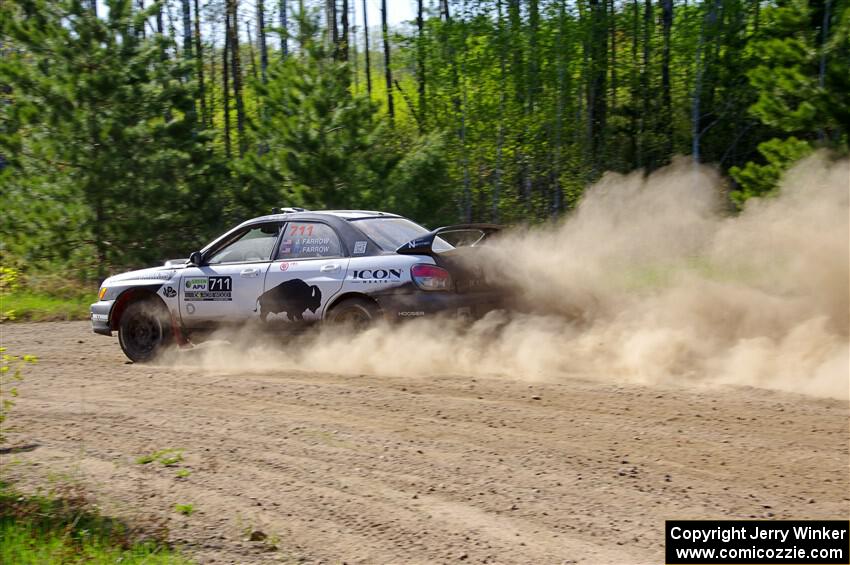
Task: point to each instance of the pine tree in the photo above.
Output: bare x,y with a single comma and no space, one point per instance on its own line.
803,89
329,147
93,146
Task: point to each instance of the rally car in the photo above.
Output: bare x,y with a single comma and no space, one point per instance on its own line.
295,267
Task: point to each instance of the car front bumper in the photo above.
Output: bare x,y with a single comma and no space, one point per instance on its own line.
100,323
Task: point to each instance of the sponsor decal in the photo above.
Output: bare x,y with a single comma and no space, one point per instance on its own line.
169,292
359,247
100,317
196,284
316,249
411,314
208,289
305,245
308,240
376,275
292,297
284,266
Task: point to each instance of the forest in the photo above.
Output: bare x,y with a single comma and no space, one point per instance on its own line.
134,131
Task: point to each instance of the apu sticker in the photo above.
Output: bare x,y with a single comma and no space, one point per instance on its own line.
359,247
208,289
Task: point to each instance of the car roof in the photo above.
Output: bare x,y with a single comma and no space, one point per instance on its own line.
316,214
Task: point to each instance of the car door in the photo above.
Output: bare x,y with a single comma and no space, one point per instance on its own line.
225,287
307,271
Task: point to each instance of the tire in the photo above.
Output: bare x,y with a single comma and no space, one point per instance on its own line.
144,331
356,313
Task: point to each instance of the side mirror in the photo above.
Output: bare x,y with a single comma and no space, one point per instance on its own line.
195,259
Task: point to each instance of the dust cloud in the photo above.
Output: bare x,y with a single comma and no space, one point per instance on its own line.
650,280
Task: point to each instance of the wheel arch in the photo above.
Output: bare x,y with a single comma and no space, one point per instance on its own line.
336,300
131,295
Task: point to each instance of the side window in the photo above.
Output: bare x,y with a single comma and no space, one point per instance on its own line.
308,240
255,244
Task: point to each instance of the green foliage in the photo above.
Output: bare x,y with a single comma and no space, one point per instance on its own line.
165,457
45,306
794,93
11,373
42,297
106,164
757,180
322,146
803,89
9,283
65,529
185,509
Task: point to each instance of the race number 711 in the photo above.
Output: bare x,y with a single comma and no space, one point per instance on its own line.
220,284
301,229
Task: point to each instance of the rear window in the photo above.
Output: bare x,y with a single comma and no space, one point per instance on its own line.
392,233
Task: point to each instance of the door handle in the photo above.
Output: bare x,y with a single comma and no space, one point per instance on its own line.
249,273
333,267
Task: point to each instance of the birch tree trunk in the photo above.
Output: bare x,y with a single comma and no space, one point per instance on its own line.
387,71
500,139
225,90
420,61
251,58
343,39
187,29
666,98
366,50
236,70
199,63
284,25
261,39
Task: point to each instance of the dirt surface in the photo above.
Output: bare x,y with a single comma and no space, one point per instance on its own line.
415,470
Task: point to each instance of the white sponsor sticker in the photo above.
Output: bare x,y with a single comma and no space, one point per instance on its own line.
100,317
359,247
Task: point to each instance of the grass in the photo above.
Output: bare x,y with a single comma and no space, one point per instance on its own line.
32,306
43,297
65,529
185,509
166,457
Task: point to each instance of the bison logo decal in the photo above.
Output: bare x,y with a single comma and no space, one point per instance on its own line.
293,297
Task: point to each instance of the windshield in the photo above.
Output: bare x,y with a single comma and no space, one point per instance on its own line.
392,233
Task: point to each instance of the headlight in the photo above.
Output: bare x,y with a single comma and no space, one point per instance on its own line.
101,293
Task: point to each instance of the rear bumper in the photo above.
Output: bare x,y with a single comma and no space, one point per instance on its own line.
100,323
423,304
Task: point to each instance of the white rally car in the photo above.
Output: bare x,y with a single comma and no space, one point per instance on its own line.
297,266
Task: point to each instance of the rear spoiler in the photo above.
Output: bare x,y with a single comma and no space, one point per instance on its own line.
423,245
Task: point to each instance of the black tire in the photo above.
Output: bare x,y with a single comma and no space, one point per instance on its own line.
145,330
357,313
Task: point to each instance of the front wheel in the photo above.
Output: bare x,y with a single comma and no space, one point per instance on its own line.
144,331
357,313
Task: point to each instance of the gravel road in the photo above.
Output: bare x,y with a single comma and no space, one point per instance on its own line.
368,469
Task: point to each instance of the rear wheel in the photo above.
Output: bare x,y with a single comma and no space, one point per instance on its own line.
144,331
358,313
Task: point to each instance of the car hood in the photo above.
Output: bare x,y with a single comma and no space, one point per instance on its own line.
161,273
